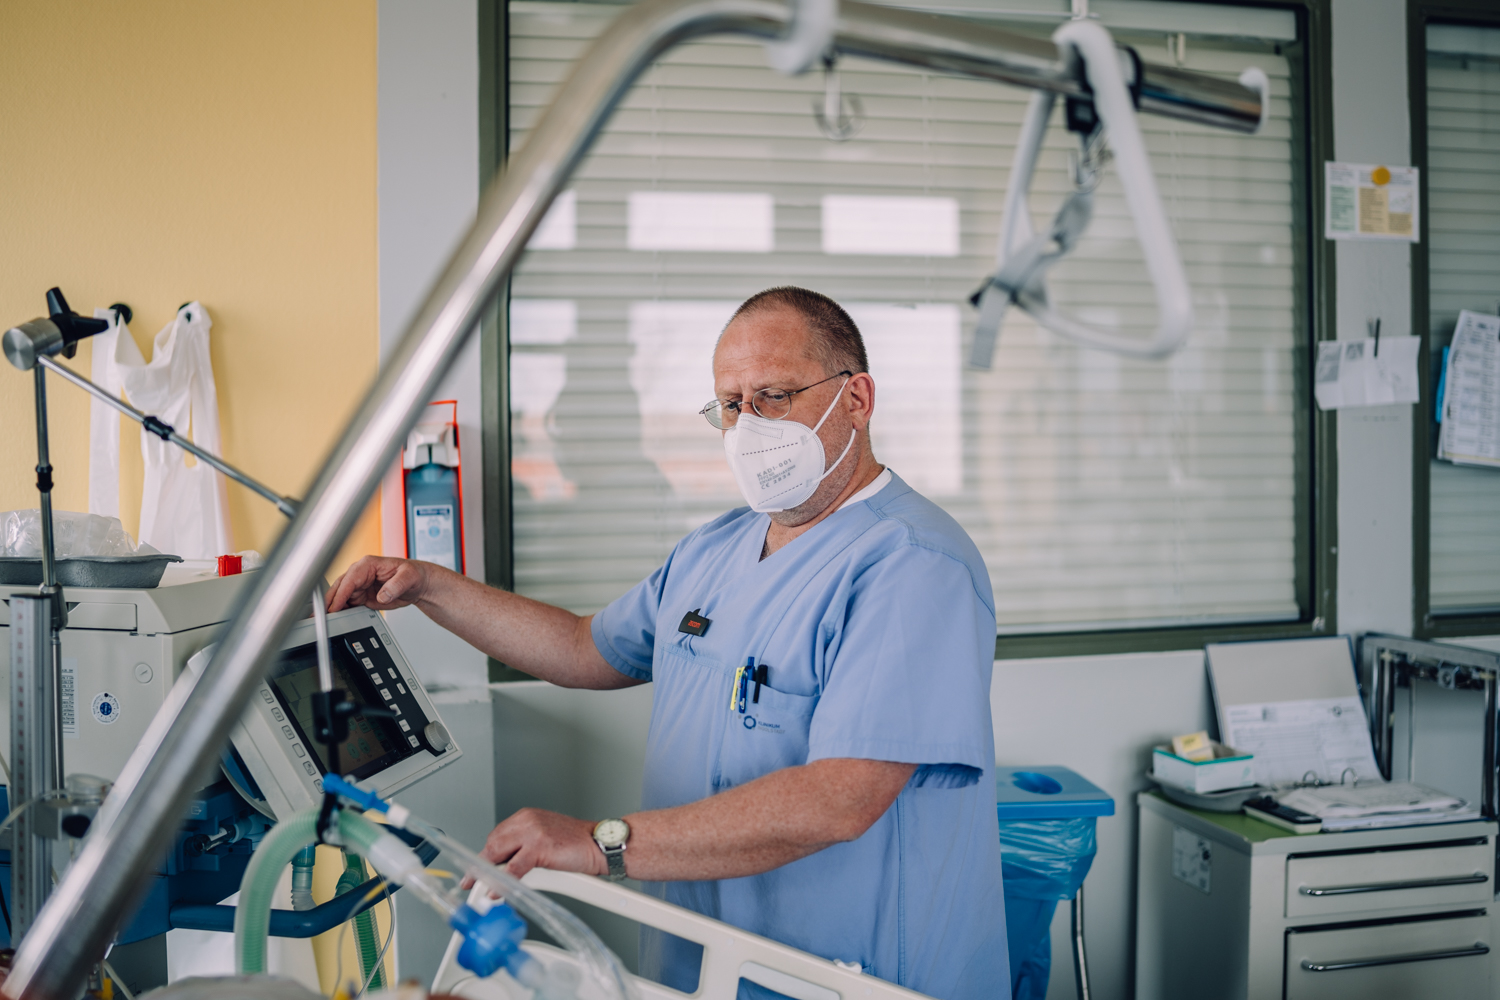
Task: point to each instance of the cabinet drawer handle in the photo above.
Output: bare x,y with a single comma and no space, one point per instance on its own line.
1420,956
1416,883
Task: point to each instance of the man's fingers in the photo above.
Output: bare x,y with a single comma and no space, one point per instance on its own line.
521,863
347,589
401,587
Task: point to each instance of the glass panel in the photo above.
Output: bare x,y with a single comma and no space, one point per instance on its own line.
1463,220
1101,491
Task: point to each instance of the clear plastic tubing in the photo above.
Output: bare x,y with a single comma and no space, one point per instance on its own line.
562,926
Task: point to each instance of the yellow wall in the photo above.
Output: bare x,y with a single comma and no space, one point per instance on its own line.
160,151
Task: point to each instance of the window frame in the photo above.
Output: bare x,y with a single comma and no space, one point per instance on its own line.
1427,623
1317,470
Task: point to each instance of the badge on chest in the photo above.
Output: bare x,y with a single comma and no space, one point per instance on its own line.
695,624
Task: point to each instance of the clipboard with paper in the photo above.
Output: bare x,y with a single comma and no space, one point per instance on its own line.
1295,705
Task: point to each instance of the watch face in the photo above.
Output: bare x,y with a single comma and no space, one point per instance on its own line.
612,832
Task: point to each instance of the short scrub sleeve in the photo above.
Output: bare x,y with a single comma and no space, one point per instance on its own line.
625,631
908,673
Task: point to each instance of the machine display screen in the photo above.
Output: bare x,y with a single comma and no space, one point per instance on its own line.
374,744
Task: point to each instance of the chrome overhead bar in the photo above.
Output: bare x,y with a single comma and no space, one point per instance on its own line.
134,829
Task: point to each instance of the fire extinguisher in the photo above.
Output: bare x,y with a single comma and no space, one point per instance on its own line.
432,485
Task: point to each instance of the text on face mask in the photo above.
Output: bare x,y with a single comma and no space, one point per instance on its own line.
776,474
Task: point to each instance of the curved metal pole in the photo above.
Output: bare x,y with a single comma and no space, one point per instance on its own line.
140,817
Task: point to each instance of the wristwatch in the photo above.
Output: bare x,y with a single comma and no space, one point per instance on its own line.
611,836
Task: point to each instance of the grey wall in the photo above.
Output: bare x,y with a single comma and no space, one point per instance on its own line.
428,83
580,752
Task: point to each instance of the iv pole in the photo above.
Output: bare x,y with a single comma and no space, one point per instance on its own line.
37,620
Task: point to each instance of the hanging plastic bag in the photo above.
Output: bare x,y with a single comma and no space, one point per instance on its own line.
104,420
184,509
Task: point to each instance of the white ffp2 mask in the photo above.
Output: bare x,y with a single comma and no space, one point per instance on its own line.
777,464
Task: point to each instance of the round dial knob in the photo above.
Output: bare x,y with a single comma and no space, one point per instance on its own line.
437,737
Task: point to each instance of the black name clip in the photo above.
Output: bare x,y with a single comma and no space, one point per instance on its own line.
695,624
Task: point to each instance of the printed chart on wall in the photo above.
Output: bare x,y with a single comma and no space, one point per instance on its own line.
1468,404
1366,201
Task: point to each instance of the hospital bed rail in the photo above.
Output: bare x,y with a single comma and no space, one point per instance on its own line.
138,820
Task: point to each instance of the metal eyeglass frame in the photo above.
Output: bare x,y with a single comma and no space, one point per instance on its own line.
715,407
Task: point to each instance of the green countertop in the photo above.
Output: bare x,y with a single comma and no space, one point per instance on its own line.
1253,830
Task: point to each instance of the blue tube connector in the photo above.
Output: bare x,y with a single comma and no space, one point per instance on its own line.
491,939
366,800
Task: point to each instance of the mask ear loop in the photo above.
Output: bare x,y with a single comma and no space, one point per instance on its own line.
853,433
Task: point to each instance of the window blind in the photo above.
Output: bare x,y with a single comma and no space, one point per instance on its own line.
1463,225
1101,491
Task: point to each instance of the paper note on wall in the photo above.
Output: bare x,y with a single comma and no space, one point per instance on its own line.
1366,201
1471,393
1353,373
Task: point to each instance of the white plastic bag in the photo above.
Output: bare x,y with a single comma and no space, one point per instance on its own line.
184,509
74,535
104,420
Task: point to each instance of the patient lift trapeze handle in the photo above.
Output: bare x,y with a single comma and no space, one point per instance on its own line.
1023,258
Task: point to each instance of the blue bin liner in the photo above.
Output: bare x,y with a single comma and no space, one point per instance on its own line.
1043,860
1046,858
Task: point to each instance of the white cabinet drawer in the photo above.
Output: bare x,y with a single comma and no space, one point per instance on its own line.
1451,876
1442,959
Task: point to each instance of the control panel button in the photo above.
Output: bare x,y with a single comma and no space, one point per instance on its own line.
265,695
393,673
396,709
297,749
386,694
287,730
276,714
373,643
369,663
307,766
318,784
400,689
405,726
359,647
413,741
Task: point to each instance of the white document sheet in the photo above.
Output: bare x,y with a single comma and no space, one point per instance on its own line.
1325,739
1352,373
1471,393
1374,804
1367,201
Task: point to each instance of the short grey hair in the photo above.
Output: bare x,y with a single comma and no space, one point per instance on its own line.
836,343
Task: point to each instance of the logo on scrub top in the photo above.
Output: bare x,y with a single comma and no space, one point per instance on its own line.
749,722
106,708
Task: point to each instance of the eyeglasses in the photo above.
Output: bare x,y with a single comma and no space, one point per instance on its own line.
773,404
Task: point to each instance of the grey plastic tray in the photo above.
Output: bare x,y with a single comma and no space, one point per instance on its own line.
132,572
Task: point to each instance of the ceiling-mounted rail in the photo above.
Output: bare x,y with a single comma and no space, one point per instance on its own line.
135,827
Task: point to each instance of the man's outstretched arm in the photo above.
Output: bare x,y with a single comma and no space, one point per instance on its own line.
763,824
547,642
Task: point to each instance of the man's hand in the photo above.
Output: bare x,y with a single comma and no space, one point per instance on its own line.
381,582
535,838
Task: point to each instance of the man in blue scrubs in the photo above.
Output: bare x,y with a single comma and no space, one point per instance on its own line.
819,768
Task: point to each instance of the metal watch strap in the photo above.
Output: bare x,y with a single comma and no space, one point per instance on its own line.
615,856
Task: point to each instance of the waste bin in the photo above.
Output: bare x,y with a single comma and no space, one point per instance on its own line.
1047,846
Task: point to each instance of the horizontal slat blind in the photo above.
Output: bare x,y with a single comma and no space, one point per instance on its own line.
1463,220
1101,491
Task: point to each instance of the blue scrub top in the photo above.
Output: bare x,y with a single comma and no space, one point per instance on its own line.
877,627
